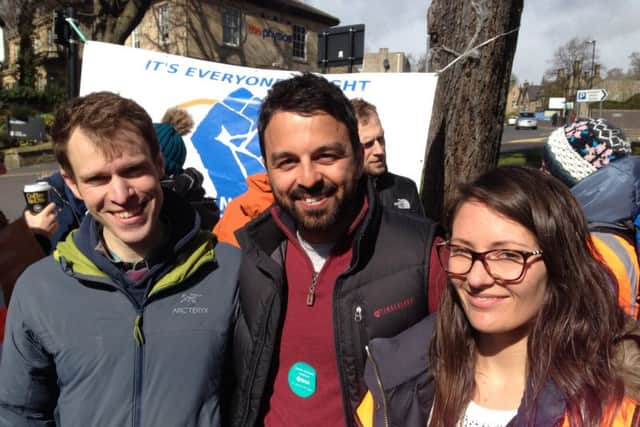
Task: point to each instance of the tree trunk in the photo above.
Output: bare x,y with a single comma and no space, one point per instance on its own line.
115,19
26,54
468,112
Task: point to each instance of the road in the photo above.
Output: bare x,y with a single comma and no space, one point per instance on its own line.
12,183
516,140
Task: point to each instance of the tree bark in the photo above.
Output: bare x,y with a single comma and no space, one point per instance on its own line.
468,112
116,19
26,54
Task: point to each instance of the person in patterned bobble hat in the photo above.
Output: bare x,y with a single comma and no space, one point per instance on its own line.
593,158
577,150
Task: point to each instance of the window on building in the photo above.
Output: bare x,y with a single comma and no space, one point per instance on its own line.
231,27
135,38
163,23
299,42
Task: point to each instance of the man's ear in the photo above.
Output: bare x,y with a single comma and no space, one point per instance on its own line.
71,183
359,156
160,164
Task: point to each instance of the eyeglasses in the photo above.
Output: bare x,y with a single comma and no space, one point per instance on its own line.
504,265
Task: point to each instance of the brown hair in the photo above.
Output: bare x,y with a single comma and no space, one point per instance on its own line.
363,110
308,94
100,115
572,339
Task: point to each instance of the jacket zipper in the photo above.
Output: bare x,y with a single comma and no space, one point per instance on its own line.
346,401
376,371
358,317
311,295
138,336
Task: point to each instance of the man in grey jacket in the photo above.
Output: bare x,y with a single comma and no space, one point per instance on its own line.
128,322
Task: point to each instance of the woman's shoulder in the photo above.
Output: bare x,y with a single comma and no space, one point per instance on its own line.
399,378
401,357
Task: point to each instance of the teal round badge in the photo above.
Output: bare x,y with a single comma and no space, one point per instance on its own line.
302,379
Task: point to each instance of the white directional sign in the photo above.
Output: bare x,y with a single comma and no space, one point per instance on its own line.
591,95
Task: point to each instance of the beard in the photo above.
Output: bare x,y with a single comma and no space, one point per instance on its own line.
328,217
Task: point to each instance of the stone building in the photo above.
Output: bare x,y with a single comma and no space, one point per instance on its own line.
385,61
276,34
525,97
49,57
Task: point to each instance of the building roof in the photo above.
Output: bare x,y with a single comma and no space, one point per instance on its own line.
298,8
534,92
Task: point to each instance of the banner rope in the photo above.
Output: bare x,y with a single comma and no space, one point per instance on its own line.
473,51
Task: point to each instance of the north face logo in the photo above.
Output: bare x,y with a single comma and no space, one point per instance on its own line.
402,204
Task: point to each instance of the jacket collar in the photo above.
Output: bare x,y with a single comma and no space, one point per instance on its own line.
187,250
267,234
548,409
400,358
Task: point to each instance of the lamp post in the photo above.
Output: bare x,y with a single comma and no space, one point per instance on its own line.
593,62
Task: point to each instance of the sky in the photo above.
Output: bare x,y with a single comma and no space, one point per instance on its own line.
400,25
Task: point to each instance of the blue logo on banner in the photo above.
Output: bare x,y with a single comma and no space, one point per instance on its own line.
227,141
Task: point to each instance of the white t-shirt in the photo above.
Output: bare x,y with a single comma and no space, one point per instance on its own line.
317,252
478,416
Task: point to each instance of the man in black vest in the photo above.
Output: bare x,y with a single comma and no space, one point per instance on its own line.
324,270
394,190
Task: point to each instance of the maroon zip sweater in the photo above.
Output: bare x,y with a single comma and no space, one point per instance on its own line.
307,348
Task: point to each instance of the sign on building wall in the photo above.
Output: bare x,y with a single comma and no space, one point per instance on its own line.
224,101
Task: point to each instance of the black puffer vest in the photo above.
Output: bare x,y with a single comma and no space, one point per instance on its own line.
383,292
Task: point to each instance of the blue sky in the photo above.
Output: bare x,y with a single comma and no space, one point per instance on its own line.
400,25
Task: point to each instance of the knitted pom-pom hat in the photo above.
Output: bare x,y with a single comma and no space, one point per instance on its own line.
577,150
175,123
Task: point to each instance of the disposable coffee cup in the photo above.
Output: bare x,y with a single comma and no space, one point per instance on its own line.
37,196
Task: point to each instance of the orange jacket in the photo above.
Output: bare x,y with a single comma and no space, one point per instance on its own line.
620,256
244,208
628,415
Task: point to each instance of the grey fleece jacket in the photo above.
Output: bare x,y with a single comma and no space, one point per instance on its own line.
81,352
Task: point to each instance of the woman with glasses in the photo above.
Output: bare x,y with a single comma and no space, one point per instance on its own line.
529,332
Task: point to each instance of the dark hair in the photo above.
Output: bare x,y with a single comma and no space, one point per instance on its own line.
572,338
307,94
363,109
100,115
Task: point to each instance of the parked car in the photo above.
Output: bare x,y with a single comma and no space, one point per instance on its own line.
526,121
511,121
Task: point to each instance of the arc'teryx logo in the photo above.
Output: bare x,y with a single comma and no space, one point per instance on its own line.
188,305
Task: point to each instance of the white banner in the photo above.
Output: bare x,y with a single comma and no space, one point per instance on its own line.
224,101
